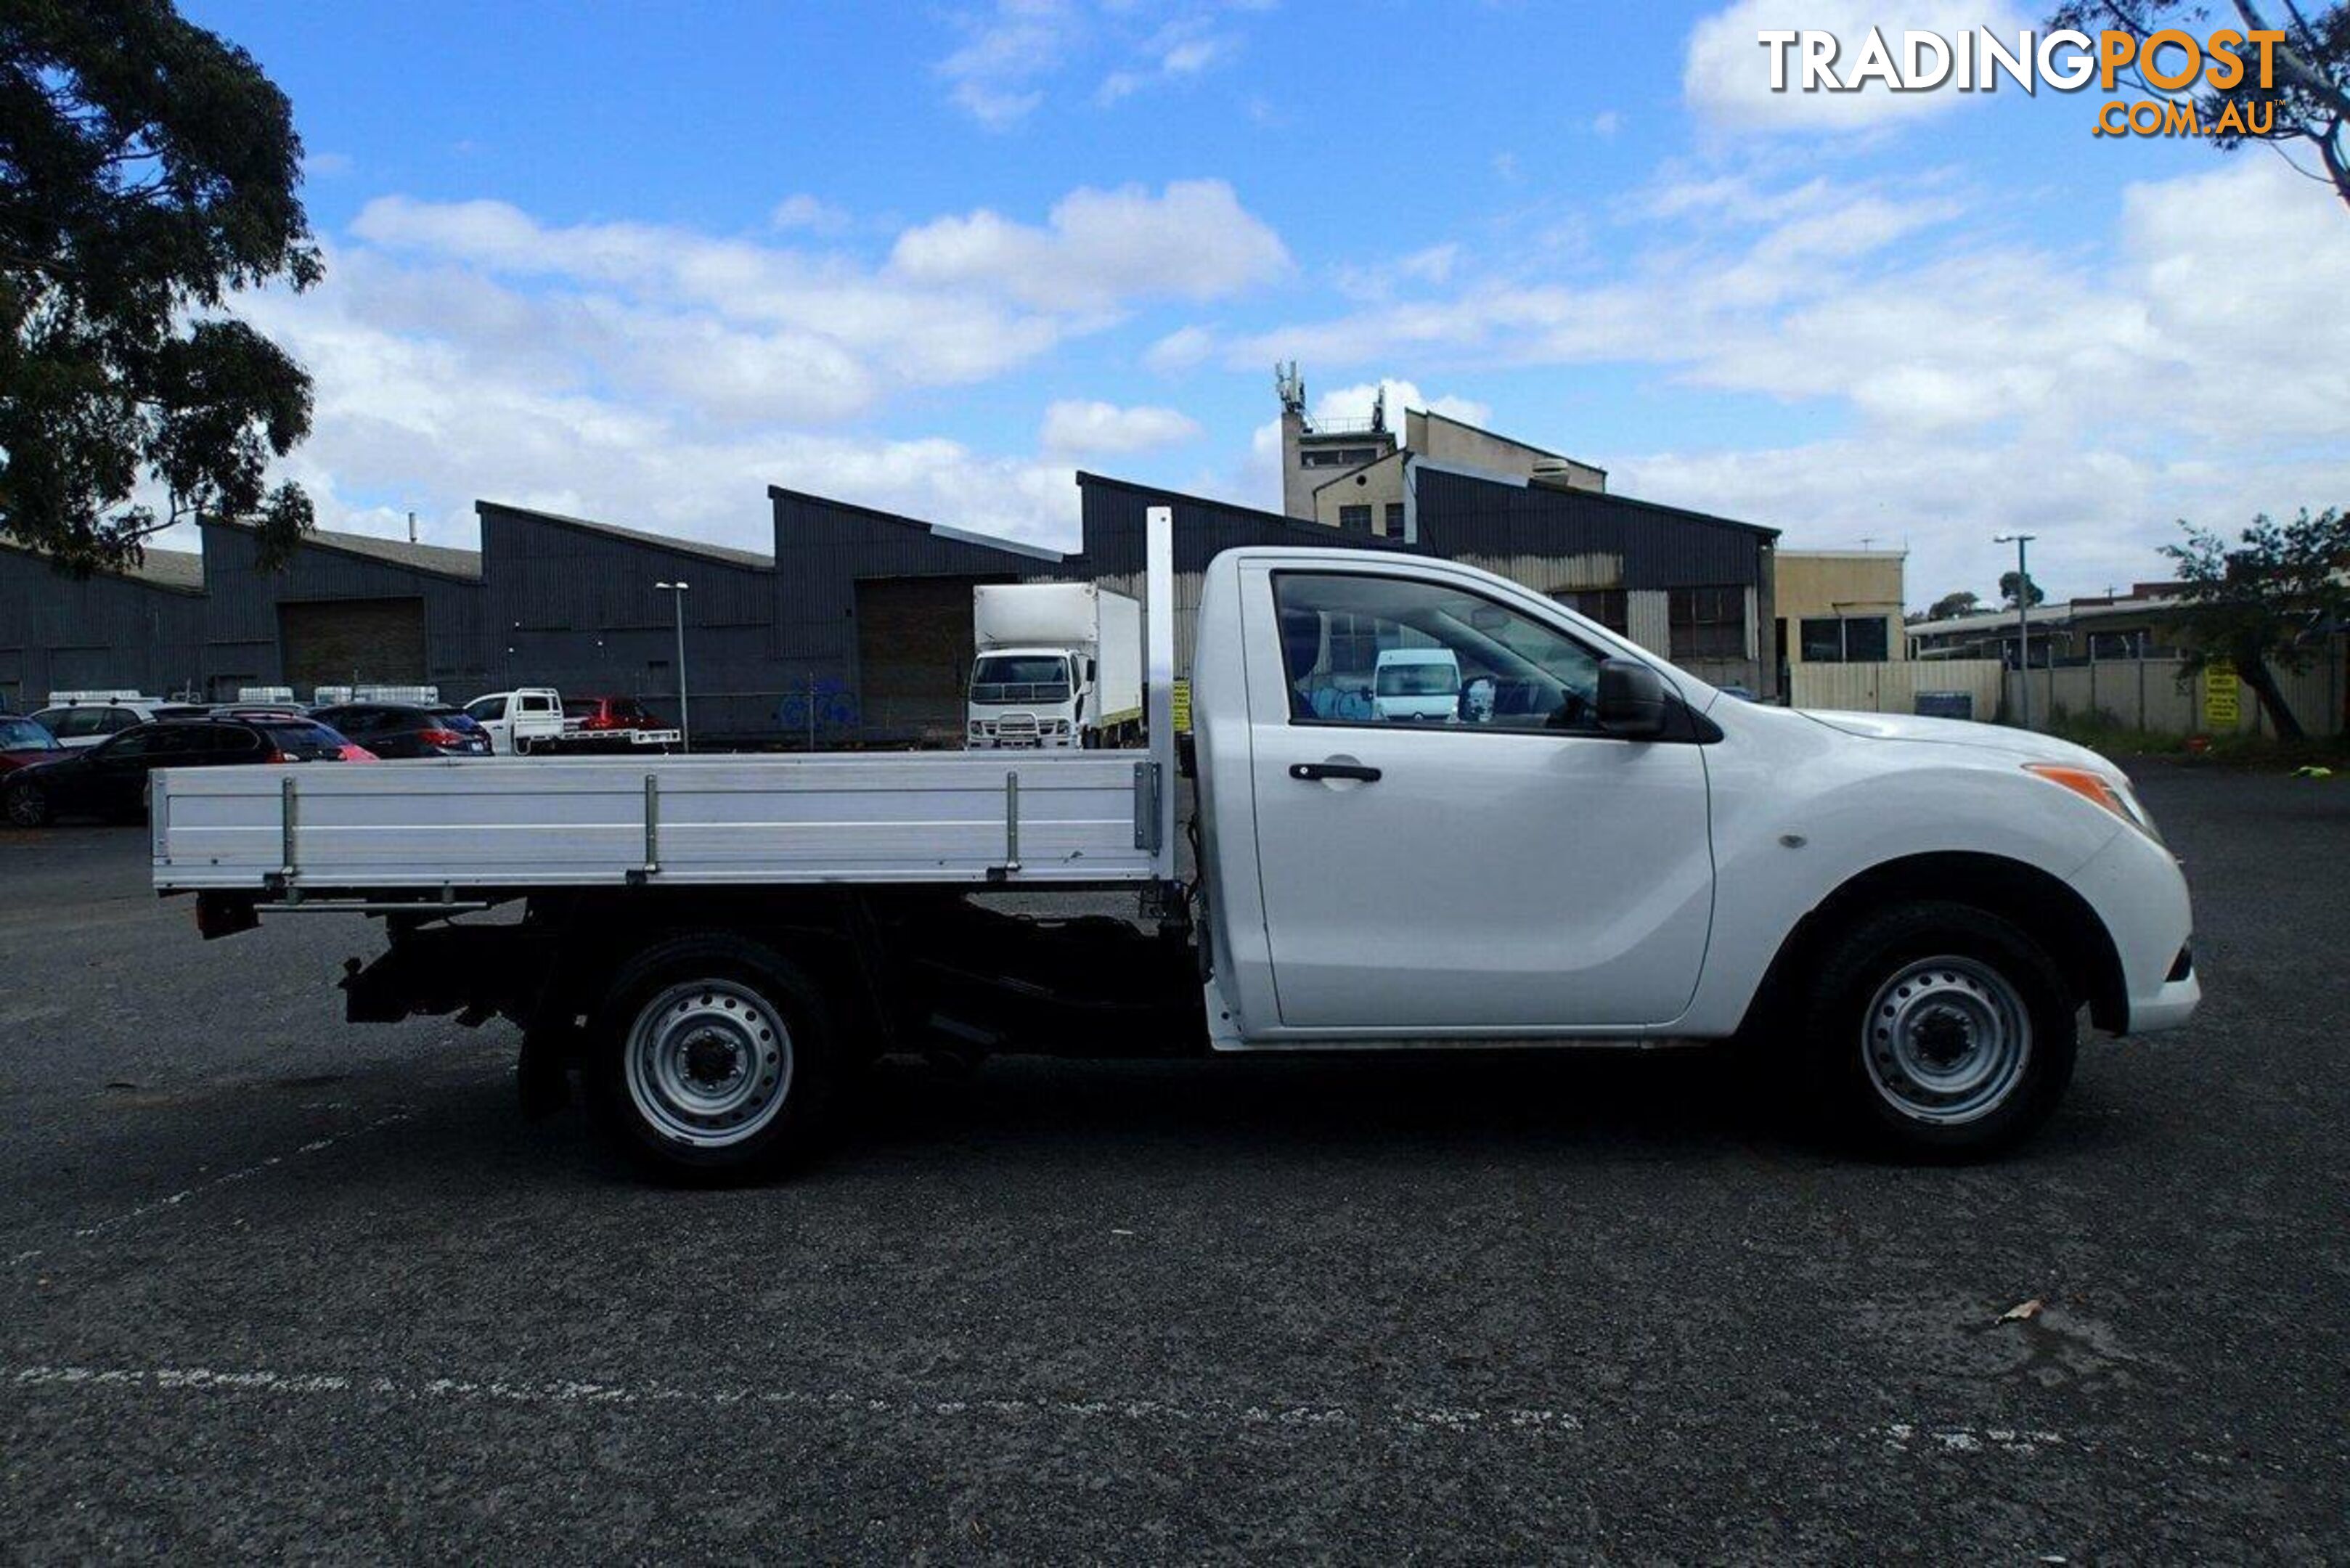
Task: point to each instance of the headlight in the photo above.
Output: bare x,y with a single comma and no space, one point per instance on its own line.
2112,793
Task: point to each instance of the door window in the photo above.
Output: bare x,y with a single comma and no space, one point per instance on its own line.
1364,649
488,710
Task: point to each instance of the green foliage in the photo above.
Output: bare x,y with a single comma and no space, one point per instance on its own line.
2013,583
2266,602
147,169
1951,605
2307,103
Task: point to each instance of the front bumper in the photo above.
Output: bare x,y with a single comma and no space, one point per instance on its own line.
2138,890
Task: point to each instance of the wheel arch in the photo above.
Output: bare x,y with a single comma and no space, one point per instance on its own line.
2044,907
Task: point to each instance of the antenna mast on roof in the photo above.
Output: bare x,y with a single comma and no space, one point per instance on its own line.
1290,387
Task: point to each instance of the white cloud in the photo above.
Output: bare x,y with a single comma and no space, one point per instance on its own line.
1180,350
1983,385
962,299
1344,404
1726,71
1192,241
813,213
1183,47
326,165
1606,123
1097,428
1015,53
663,377
1005,52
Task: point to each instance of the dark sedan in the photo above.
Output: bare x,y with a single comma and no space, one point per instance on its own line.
408,730
109,780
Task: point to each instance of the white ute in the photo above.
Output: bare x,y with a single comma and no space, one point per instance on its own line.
1902,917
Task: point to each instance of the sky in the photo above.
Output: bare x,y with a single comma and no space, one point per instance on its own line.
637,263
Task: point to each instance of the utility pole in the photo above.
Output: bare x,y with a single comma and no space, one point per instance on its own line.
2022,623
684,721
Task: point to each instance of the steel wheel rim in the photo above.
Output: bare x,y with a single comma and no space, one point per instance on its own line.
1946,1040
709,1063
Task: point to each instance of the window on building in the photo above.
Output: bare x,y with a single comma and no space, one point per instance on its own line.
1337,456
1707,623
1395,519
1355,519
1611,608
1844,640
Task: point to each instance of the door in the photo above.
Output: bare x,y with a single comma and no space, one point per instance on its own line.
1501,866
342,642
490,713
120,768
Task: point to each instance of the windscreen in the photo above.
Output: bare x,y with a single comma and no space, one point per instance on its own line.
1020,677
23,735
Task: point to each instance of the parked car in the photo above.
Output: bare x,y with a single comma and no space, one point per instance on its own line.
86,721
22,741
1416,684
395,730
518,720
599,724
110,779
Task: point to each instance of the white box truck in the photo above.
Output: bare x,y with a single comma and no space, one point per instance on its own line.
1059,666
1898,919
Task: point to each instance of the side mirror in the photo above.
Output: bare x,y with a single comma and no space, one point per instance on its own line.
1631,700
1091,669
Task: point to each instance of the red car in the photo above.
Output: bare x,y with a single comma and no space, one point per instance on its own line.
22,741
595,713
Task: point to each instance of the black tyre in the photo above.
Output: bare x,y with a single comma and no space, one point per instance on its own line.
25,805
1937,1031
713,1059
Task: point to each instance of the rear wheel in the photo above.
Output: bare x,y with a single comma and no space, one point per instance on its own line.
1938,1030
713,1059
26,806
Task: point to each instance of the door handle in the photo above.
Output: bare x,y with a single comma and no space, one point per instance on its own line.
1312,771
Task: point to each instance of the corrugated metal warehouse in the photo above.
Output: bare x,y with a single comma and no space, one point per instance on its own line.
856,629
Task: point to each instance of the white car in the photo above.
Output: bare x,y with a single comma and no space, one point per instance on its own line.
79,722
519,721
1416,684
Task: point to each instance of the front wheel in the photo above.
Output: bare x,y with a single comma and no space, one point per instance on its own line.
1938,1030
711,1059
26,806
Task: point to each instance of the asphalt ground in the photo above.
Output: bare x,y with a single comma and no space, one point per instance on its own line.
272,1285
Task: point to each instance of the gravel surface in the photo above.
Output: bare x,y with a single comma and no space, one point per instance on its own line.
274,1285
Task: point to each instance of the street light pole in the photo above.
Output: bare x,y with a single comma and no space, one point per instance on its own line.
2022,622
684,718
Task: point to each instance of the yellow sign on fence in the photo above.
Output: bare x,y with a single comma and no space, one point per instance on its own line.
1182,706
2222,695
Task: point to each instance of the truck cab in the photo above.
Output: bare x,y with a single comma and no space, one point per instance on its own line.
1025,698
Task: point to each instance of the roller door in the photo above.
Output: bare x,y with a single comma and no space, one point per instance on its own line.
344,642
914,655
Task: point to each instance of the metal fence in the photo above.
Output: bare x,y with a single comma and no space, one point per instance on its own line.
2157,695
1894,688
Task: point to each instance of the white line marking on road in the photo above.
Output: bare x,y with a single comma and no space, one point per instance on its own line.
1456,1420
228,1178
